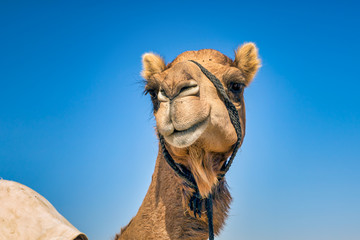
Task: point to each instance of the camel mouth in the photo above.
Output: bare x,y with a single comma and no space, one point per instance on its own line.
185,138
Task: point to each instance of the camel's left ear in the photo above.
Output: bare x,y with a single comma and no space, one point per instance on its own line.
152,63
246,59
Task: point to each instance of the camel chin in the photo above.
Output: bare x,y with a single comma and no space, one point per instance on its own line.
186,138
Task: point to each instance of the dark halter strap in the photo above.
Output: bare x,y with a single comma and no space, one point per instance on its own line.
186,175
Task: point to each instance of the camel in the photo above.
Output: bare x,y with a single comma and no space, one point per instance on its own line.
26,215
195,125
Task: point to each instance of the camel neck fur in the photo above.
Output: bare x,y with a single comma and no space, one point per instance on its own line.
164,213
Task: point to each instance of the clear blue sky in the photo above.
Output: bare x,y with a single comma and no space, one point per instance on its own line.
75,126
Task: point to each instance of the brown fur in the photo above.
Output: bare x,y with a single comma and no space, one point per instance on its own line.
205,166
246,59
152,63
162,214
186,102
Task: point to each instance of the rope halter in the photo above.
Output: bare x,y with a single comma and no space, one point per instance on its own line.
186,175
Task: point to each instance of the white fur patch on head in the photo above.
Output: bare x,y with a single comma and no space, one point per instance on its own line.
152,63
246,59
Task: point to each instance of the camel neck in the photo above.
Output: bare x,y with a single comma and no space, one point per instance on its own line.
164,210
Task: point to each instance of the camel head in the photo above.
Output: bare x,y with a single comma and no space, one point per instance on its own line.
190,113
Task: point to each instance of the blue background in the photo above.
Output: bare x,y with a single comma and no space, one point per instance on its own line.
75,127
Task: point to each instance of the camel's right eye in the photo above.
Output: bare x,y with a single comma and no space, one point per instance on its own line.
152,93
154,98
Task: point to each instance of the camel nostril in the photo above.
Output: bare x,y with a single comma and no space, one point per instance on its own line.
162,91
162,97
186,88
189,90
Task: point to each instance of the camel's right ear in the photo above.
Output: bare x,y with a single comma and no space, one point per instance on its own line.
152,63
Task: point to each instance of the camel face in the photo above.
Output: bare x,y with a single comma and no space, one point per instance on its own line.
187,107
190,113
190,110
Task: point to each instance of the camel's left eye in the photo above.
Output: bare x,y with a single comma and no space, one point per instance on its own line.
236,87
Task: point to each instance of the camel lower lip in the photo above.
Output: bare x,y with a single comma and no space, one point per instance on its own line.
189,130
187,137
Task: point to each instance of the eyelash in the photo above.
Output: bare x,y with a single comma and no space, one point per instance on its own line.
152,93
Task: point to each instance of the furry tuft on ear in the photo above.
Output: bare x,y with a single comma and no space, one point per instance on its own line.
152,63
246,59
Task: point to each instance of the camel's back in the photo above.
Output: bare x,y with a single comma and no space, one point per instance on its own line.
25,214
